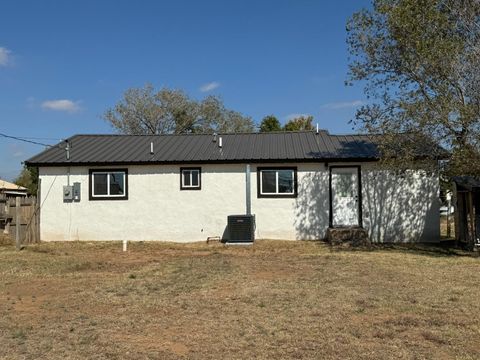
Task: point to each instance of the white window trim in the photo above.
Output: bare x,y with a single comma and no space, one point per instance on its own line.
191,178
108,183
276,182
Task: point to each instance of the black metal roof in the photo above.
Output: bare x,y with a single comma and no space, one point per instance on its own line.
467,183
301,146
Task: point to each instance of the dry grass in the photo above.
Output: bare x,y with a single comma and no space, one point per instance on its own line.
272,300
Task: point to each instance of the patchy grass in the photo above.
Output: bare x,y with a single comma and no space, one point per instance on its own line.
273,300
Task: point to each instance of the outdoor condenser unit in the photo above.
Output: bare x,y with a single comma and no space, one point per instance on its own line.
241,228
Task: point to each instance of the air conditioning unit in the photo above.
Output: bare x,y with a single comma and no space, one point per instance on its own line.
241,228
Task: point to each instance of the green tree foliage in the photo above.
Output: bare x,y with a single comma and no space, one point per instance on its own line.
299,123
170,111
270,123
28,178
420,61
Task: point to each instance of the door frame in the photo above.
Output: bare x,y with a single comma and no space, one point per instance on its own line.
359,189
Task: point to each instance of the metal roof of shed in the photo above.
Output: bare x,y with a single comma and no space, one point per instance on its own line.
301,146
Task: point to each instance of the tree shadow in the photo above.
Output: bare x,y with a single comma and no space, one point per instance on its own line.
400,208
312,206
396,207
443,249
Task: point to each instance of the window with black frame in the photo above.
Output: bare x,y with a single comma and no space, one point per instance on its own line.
190,178
277,182
108,184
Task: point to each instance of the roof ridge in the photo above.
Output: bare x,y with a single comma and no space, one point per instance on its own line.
208,134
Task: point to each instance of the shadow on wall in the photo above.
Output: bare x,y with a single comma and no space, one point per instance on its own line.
312,206
396,208
400,208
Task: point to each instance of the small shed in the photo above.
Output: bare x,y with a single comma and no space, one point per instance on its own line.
466,192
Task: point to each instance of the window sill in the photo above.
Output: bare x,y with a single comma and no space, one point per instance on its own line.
276,196
95,198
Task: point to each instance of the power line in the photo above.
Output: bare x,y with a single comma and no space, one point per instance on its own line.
24,140
40,138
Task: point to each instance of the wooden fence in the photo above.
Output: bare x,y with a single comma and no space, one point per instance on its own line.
20,219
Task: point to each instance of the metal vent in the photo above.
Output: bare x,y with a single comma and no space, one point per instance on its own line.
241,228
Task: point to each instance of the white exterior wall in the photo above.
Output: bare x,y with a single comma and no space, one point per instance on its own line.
394,209
400,208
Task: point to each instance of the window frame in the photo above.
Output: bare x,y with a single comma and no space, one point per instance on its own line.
91,173
260,194
190,187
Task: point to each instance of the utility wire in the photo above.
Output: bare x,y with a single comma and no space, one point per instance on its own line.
24,140
40,138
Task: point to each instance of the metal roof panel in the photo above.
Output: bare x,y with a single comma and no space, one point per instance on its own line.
273,146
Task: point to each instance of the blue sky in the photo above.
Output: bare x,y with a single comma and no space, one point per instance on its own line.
63,63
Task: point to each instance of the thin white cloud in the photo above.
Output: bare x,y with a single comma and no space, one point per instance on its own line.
61,105
209,86
5,56
294,116
343,105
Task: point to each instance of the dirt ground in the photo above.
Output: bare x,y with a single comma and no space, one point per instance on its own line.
272,300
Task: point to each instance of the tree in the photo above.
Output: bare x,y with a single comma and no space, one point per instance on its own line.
270,123
420,61
214,117
170,111
299,123
28,178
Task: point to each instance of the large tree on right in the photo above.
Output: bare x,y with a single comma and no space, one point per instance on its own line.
420,63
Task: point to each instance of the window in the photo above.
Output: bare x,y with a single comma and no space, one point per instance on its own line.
111,184
277,182
190,178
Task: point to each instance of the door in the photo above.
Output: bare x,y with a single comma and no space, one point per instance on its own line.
344,196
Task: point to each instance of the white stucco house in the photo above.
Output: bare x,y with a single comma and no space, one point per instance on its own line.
182,188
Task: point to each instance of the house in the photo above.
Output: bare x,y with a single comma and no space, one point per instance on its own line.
182,188
11,189
8,190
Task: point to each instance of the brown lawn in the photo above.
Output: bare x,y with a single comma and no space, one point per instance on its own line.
273,300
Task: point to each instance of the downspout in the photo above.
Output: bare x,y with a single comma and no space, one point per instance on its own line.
248,200
67,150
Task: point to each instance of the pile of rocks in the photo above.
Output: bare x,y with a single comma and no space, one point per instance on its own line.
348,236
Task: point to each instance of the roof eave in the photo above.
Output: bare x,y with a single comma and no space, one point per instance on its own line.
236,161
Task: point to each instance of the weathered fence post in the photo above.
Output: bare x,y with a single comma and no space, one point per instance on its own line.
17,223
38,205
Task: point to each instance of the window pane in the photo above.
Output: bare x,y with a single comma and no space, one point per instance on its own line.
343,184
269,181
186,178
100,184
116,184
285,181
194,177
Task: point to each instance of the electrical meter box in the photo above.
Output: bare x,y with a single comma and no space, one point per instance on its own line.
67,193
76,191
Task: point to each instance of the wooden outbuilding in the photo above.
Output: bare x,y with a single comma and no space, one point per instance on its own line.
466,200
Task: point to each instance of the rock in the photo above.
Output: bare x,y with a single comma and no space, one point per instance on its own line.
348,236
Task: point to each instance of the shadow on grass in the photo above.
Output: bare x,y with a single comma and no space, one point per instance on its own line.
442,249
